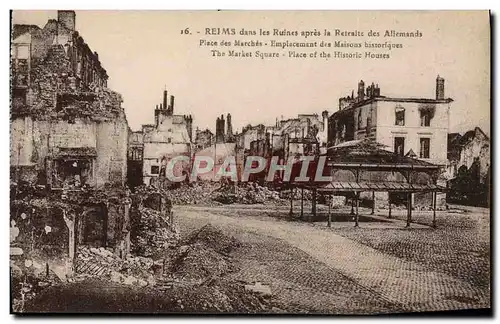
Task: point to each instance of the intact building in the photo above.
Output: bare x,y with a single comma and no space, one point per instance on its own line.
415,127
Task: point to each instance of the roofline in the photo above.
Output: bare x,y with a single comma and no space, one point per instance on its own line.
384,165
395,99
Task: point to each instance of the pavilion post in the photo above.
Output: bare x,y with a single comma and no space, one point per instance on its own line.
408,210
390,210
352,206
314,203
434,202
291,202
329,210
302,203
356,218
373,205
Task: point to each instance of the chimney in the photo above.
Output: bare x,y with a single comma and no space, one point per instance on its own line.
171,105
165,99
222,126
361,90
439,88
325,125
189,126
229,127
66,18
217,126
157,114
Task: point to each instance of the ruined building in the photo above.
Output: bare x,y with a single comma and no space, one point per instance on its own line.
68,138
135,158
203,139
221,135
170,136
218,146
469,167
67,127
415,127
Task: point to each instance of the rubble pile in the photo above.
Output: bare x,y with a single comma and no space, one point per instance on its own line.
102,263
28,280
210,193
197,263
204,260
245,193
297,194
152,233
199,192
219,296
204,255
213,238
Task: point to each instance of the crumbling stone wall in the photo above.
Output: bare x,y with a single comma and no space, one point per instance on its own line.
61,112
34,141
40,238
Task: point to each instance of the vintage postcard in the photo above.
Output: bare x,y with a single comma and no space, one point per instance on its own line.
250,162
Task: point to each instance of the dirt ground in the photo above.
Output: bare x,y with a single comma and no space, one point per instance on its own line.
378,267
307,267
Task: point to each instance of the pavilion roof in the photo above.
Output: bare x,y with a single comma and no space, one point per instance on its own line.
369,153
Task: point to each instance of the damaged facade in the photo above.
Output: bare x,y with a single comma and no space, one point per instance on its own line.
68,138
218,146
135,158
294,137
203,139
468,168
170,136
413,127
305,134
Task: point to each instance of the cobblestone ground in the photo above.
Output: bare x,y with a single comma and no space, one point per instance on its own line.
299,282
347,270
459,246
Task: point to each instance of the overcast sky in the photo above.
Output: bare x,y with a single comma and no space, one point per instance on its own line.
144,52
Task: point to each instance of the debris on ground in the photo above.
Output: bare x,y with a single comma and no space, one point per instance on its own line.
101,263
259,288
222,296
204,255
152,232
223,192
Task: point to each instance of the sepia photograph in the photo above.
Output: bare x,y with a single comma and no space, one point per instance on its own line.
214,162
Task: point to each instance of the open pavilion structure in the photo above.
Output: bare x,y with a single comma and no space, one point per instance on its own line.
364,166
